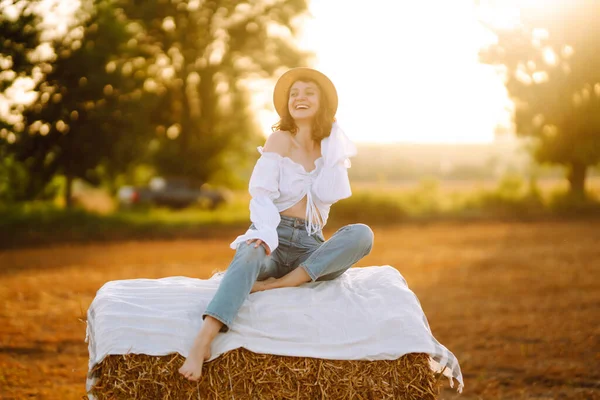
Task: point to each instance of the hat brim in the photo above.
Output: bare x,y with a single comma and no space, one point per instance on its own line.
285,82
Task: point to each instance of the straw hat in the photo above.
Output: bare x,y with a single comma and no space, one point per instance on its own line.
285,82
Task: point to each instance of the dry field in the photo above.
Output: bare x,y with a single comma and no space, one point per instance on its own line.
467,185
518,303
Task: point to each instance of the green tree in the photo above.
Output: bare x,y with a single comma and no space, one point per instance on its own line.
85,115
19,38
207,51
154,80
552,64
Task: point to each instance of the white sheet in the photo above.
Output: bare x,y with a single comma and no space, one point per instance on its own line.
367,313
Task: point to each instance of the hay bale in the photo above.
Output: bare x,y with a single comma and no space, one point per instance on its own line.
241,374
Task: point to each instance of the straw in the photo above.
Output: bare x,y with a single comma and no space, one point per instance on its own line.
241,374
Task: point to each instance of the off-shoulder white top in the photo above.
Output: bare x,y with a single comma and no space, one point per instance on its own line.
277,183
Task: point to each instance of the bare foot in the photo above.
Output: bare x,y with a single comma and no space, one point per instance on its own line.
259,286
192,367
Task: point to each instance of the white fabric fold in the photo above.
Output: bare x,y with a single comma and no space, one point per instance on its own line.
333,183
313,218
337,147
365,314
264,214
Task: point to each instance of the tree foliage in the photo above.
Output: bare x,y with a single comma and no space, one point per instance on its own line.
155,81
19,38
207,50
83,112
552,65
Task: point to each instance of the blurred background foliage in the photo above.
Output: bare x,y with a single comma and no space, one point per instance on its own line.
125,90
551,64
158,83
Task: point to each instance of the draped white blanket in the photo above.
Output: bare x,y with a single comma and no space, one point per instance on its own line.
367,313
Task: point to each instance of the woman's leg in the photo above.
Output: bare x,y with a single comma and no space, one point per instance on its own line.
248,264
344,249
329,260
200,351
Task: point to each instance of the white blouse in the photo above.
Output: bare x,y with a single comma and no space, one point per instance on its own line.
277,183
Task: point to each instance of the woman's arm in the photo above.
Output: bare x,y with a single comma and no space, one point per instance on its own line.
264,189
333,184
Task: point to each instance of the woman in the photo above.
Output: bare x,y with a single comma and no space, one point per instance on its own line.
302,170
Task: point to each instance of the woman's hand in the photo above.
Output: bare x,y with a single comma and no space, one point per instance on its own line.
258,243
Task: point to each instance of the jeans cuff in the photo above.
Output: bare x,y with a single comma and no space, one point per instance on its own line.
313,277
225,326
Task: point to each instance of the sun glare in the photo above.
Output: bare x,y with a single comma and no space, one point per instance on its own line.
405,71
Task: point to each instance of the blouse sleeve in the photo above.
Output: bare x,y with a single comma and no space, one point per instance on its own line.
264,189
333,183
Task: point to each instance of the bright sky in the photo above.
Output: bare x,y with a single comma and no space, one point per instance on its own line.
406,71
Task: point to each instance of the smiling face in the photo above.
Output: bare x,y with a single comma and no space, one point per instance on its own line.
307,103
304,100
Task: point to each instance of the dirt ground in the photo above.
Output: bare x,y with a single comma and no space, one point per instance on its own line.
517,303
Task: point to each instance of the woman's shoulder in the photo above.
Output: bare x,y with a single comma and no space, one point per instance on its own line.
279,142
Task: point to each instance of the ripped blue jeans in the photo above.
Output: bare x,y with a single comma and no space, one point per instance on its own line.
322,260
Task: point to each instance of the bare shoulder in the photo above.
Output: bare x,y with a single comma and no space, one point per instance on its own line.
279,142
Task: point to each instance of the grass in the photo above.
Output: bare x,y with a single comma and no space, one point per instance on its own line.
510,197
516,302
41,224
95,218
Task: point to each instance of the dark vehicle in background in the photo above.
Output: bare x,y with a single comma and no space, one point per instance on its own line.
171,192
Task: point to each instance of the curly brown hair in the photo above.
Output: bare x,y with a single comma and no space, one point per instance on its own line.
322,123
